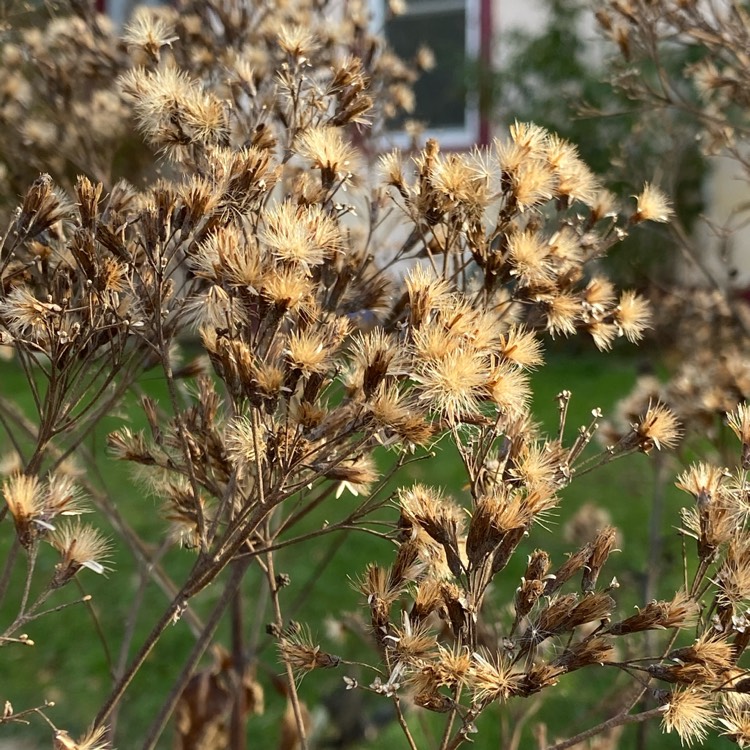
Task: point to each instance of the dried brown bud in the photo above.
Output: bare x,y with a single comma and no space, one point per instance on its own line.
661,615
595,650
600,550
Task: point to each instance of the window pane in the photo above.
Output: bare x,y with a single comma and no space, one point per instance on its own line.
433,6
441,92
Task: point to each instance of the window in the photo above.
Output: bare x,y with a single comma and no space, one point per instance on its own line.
456,31
452,30
120,10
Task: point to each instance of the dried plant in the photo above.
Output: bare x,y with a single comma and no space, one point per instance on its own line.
704,323
352,320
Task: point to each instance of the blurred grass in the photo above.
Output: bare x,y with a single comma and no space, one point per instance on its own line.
68,664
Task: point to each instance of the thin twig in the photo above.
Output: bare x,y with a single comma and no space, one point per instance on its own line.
10,562
34,615
160,722
402,722
237,720
98,627
30,566
127,639
168,616
451,719
615,721
291,683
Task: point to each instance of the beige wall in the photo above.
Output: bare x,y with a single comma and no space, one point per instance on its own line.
726,229
510,14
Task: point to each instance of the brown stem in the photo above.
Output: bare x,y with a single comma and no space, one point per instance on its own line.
238,735
97,627
129,632
655,532
10,563
178,603
291,684
653,569
615,721
30,566
451,719
163,345
520,723
199,649
460,737
402,723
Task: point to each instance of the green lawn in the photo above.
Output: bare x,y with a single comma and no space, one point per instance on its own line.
69,666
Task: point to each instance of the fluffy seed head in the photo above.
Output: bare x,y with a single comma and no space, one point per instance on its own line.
326,148
652,205
302,236
149,32
632,316
690,713
81,546
657,428
303,655
453,384
492,678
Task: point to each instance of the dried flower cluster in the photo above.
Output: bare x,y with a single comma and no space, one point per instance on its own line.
705,324
715,84
225,72
349,319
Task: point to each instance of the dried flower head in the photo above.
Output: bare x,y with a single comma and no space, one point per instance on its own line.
297,42
492,678
392,170
25,501
509,389
81,546
173,109
427,508
703,481
596,650
658,428
150,32
521,347
309,351
733,577
736,723
427,293
245,444
529,137
680,612
355,475
712,652
532,183
376,355
691,713
454,384
632,316
411,643
652,205
329,152
739,422
563,312
301,653
575,181
93,739
528,254
302,236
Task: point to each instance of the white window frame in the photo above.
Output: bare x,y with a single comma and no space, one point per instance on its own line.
449,138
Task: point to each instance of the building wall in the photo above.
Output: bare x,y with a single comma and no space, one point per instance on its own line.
722,239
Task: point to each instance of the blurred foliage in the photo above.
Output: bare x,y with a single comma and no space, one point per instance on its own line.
560,75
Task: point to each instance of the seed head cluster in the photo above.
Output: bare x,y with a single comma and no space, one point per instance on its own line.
347,315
